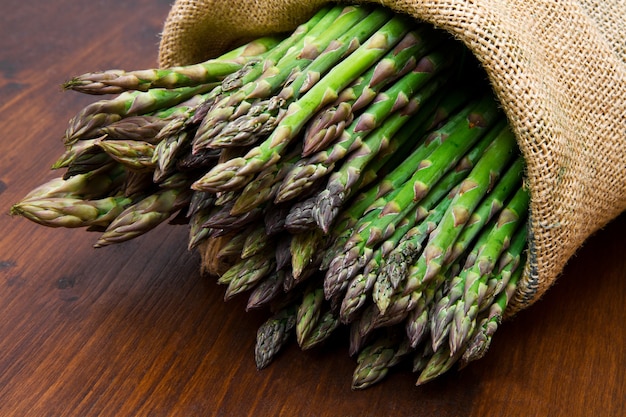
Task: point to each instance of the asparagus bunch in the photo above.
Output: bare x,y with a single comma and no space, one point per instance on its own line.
351,174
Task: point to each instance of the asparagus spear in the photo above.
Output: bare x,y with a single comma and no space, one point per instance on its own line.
247,273
71,212
308,312
273,335
141,128
379,223
391,184
144,215
375,360
104,112
480,180
264,114
481,339
133,154
329,123
391,134
267,290
228,175
210,71
274,74
96,184
475,286
403,99
326,325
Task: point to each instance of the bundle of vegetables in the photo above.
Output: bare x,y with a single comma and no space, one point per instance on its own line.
356,173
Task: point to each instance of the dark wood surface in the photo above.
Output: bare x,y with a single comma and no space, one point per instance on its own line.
135,330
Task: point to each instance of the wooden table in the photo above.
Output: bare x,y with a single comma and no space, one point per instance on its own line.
135,330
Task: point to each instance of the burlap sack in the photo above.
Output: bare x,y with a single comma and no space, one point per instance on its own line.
558,68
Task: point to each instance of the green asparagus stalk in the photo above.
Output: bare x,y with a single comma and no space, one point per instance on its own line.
266,291
329,123
321,18
229,174
197,232
481,340
308,312
133,154
144,215
246,128
96,184
71,212
104,112
401,99
247,273
273,335
256,240
141,128
326,325
508,263
488,208
480,180
375,360
421,297
440,362
379,223
389,186
210,71
475,285
304,249
388,276
390,134
274,76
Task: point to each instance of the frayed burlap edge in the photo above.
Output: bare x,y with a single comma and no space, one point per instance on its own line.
557,68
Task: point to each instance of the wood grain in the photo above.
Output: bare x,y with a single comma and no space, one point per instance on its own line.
135,330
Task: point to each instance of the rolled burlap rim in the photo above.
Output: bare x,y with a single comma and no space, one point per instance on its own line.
558,69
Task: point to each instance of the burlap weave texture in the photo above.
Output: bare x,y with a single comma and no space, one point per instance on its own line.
557,67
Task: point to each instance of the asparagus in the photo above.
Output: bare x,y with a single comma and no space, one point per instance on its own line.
488,208
388,277
210,71
422,297
104,112
229,174
133,154
329,123
464,289
198,233
273,335
481,339
440,362
212,145
263,115
265,184
308,312
247,273
304,248
267,290
326,325
389,135
374,361
389,186
71,212
144,215
255,241
96,184
401,99
379,223
141,128
475,287
480,180
263,84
